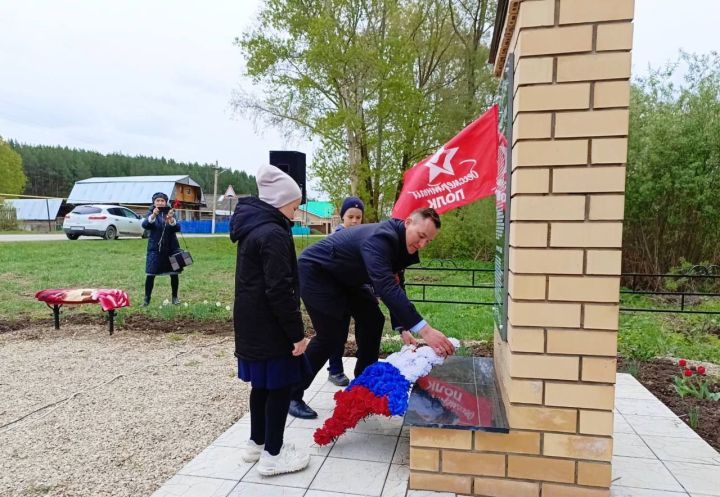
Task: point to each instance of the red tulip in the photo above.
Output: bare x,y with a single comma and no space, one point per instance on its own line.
682,363
687,373
701,370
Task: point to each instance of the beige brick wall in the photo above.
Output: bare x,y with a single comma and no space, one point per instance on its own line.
556,371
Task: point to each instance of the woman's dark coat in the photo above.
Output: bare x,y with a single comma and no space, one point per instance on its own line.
267,298
162,243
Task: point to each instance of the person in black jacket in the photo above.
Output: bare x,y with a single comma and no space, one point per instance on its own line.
334,274
269,332
162,243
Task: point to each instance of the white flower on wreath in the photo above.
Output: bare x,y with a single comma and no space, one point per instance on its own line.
166,302
227,307
218,304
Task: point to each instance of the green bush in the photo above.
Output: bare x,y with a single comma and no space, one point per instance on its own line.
466,233
641,339
687,284
672,208
8,217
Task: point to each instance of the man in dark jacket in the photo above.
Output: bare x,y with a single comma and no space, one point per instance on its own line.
333,277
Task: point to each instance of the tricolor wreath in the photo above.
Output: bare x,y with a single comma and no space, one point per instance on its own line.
383,388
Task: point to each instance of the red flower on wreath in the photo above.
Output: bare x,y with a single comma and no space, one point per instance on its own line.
701,370
682,363
351,406
687,373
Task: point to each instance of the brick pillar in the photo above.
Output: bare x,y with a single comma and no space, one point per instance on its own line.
557,368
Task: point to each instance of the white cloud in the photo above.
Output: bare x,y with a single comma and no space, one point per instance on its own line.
663,27
140,77
155,77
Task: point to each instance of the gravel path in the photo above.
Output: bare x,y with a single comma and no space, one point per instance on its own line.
147,404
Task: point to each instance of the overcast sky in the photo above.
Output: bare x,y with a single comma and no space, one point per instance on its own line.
155,77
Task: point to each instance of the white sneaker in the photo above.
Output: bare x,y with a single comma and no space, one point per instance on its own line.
251,452
288,460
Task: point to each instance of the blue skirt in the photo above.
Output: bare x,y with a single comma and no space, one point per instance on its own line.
278,372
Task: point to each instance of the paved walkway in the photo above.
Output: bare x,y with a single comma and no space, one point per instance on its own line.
655,455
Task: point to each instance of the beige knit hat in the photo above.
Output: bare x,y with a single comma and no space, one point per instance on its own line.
275,187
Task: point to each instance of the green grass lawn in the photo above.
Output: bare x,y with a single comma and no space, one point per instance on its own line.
474,322
207,287
26,268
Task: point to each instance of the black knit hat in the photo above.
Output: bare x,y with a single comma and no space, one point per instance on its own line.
159,195
350,203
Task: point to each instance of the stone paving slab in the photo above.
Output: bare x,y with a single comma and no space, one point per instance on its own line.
654,455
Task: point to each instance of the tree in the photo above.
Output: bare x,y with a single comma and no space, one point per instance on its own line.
672,206
12,176
378,83
54,170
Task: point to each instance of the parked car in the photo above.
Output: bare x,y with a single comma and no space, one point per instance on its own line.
107,221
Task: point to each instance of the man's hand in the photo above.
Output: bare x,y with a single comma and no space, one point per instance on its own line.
408,338
437,340
299,347
155,212
169,216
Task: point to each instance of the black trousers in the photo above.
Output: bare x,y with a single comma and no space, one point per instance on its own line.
331,333
268,412
150,284
336,358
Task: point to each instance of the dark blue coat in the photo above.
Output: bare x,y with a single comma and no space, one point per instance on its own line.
266,317
342,263
162,243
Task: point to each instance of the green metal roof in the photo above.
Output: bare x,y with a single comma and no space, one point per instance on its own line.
319,208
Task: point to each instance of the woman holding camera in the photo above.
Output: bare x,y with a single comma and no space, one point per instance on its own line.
162,243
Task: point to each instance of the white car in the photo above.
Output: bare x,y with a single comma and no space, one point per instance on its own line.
107,221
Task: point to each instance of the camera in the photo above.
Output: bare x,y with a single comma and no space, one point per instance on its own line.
164,209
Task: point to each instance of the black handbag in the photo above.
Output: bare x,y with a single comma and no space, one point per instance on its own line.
180,260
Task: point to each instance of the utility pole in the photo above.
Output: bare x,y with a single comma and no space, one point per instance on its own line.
212,229
47,208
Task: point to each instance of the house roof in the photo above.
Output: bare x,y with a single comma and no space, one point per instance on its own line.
319,208
126,189
500,15
177,178
35,209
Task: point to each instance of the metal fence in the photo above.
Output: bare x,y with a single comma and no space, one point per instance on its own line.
692,279
681,301
471,275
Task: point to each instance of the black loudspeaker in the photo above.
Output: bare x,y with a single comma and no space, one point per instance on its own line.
292,163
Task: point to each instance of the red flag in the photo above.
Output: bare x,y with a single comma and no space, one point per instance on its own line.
460,172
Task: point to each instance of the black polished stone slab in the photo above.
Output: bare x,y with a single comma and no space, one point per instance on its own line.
459,394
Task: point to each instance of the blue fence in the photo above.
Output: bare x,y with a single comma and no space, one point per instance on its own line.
205,226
